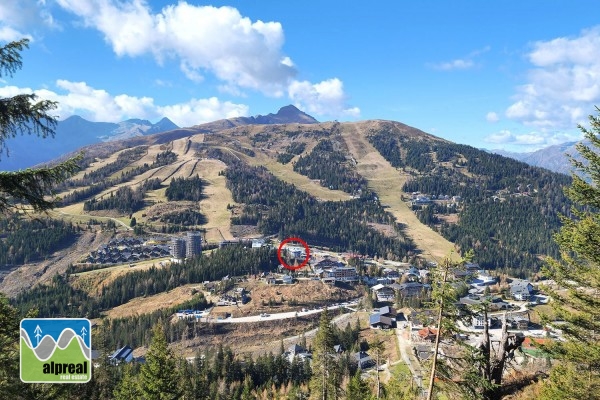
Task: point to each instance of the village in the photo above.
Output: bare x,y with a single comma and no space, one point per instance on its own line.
391,295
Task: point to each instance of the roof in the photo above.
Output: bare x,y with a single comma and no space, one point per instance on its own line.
378,287
361,356
387,310
380,319
122,353
296,349
426,332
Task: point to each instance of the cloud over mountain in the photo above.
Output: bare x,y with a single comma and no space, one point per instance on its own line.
563,83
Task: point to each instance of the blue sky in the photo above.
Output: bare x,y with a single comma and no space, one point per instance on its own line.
514,75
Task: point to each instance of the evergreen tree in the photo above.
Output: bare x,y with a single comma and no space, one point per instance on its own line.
357,388
578,271
324,383
10,385
128,388
19,115
158,376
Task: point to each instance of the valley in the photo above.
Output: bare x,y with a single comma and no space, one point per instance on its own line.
378,200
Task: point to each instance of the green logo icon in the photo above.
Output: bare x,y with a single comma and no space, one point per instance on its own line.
56,350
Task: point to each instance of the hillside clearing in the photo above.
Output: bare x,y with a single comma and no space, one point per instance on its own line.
387,182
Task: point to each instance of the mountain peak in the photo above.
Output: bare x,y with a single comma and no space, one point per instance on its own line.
286,115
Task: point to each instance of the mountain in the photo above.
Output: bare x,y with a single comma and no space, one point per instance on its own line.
286,115
552,157
349,162
371,187
75,132
71,134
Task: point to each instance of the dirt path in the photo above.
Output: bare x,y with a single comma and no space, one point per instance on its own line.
387,182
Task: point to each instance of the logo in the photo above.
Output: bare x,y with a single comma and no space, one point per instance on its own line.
56,350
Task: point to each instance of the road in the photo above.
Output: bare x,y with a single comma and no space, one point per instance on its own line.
272,317
405,346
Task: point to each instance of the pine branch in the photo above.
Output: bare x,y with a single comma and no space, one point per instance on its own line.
31,186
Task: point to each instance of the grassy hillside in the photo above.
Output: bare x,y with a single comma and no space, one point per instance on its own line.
504,210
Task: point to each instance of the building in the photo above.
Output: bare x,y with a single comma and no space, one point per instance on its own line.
297,352
521,290
427,334
124,354
178,248
193,244
379,321
344,274
383,293
363,360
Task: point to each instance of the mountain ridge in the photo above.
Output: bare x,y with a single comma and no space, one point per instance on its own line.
553,158
73,133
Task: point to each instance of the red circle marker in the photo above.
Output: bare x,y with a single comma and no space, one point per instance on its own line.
291,267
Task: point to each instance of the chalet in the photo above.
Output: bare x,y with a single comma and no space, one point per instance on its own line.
388,311
422,318
423,351
124,354
338,349
391,273
297,352
363,360
521,290
482,279
427,334
379,321
478,321
384,293
518,322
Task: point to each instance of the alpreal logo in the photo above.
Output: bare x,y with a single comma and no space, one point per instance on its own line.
56,350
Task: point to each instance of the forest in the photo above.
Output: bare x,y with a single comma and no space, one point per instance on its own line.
59,299
100,181
521,203
279,208
24,240
331,168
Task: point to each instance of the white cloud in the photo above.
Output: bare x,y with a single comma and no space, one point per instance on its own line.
8,34
323,98
532,140
211,40
204,39
460,63
99,105
492,117
19,18
454,64
563,84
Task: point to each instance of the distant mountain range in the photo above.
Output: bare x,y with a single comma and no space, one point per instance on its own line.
553,158
76,132
71,134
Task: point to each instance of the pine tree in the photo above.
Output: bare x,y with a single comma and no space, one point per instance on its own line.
324,383
19,115
128,387
578,271
357,388
158,376
10,384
